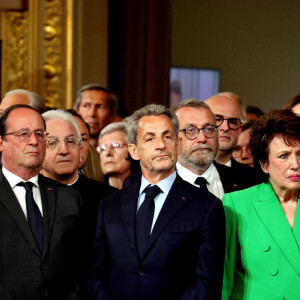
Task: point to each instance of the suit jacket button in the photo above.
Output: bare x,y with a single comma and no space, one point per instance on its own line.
140,272
131,245
44,267
273,271
46,294
266,248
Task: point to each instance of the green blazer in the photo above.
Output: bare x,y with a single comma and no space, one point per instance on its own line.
262,259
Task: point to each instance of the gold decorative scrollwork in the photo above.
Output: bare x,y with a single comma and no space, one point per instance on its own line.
54,57
15,50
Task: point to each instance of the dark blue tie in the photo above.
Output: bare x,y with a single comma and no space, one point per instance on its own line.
201,181
34,215
144,218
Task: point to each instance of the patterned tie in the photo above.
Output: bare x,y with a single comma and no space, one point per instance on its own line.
201,181
34,216
144,218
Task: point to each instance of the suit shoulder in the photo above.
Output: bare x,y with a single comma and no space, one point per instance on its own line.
196,193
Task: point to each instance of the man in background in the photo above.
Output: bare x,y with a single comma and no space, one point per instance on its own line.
21,96
62,161
197,149
98,107
228,120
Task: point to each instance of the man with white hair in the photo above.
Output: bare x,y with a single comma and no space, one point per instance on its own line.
62,161
21,96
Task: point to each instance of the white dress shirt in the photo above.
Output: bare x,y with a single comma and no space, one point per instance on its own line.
165,186
20,191
214,184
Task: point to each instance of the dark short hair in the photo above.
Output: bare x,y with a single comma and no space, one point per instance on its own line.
112,98
283,123
247,125
6,113
149,110
254,110
293,102
74,113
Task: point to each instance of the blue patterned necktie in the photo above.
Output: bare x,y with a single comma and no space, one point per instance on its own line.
34,215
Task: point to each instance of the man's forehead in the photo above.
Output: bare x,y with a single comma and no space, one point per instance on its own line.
157,124
224,106
95,96
63,130
195,115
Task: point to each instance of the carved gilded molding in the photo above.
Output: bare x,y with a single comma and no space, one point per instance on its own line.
15,67
37,50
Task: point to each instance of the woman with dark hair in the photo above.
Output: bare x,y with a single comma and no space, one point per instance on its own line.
294,104
242,153
262,259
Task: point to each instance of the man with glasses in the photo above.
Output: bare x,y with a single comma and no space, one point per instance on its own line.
197,149
62,161
228,120
40,219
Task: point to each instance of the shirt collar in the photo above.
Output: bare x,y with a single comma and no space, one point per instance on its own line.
165,184
13,179
186,173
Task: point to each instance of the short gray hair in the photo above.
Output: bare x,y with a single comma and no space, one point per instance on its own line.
113,127
191,102
112,99
63,115
149,110
35,100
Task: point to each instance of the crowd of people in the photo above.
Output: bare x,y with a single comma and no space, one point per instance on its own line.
198,201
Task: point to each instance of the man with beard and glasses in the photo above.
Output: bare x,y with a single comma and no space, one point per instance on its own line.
197,149
167,244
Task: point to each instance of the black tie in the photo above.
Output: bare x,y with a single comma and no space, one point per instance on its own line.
144,218
34,216
201,181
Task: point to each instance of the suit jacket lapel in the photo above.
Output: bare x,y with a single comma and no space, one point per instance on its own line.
10,201
128,208
49,203
272,216
175,201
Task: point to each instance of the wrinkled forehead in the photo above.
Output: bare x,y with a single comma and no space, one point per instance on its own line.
24,118
60,128
195,116
155,125
225,107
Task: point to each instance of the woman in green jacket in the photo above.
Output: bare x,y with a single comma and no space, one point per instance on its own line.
262,259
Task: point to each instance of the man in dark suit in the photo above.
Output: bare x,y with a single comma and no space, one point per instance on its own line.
62,161
40,219
164,246
198,147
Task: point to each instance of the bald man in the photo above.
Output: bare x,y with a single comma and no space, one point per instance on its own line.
21,96
228,119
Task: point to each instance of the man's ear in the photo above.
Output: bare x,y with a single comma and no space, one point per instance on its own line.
264,166
1,144
132,148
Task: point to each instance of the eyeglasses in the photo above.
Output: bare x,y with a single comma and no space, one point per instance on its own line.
237,152
233,123
192,132
70,141
24,135
114,146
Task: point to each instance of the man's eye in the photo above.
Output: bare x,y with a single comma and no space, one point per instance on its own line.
51,142
70,140
24,133
39,133
283,156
